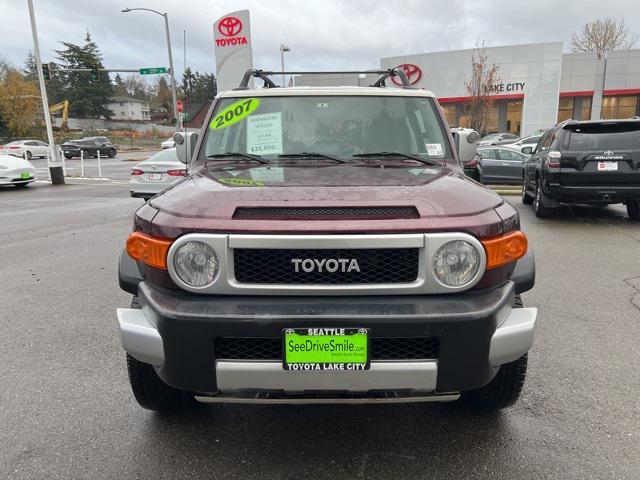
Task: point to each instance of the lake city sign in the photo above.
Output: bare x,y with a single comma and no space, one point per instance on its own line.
507,87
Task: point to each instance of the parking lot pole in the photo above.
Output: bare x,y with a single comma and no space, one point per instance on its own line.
82,163
56,172
99,166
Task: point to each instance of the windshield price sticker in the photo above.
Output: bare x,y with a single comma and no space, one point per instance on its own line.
234,113
264,134
434,149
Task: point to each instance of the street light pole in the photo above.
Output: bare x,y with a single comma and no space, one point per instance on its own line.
56,174
283,48
172,71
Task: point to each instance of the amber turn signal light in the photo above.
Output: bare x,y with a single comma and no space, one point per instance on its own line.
505,249
149,250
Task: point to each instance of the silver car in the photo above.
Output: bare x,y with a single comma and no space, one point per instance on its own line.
500,165
156,174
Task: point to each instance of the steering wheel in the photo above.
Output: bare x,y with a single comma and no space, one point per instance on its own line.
328,145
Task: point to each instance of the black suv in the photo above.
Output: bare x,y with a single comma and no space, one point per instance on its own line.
90,146
592,162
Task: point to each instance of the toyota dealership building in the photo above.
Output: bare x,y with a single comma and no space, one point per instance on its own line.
538,86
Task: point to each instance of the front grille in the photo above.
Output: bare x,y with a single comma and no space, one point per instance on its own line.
324,213
411,348
379,265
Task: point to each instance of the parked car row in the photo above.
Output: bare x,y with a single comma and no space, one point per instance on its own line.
593,162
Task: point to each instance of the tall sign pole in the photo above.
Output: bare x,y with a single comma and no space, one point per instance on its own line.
56,173
173,75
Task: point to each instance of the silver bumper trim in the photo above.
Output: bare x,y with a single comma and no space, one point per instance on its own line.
268,375
513,337
324,400
139,337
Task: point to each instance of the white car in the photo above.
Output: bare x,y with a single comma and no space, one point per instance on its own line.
28,148
16,171
156,173
168,143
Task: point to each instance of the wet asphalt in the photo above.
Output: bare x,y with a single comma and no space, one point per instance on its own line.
66,410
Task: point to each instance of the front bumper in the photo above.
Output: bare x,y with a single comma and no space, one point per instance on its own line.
176,332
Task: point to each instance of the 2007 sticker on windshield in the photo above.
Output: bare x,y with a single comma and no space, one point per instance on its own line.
234,113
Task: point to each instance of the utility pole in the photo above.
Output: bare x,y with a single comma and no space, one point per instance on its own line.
56,173
172,71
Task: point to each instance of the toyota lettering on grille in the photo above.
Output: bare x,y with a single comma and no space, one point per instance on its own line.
331,265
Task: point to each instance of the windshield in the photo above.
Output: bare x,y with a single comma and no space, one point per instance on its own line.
340,126
618,136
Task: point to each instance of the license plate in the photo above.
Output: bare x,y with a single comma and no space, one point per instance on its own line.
155,176
25,175
325,349
607,166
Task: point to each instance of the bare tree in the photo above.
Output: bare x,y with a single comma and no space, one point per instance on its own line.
602,35
484,77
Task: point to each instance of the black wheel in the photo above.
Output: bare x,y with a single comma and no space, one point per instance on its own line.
68,157
29,155
85,154
526,198
112,152
505,388
633,209
539,207
149,391
21,185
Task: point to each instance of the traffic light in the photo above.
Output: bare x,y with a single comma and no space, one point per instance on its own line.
45,71
95,73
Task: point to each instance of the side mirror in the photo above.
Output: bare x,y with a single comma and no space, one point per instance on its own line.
527,150
466,142
185,145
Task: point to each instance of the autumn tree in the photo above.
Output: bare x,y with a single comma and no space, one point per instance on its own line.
603,35
19,102
483,77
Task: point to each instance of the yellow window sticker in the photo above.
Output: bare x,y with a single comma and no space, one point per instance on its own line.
234,113
241,182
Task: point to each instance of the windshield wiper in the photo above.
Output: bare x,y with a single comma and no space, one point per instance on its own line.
398,154
313,155
246,156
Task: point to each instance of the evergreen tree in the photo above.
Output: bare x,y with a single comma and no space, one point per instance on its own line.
119,88
88,97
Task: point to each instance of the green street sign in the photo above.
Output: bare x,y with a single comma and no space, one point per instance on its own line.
153,70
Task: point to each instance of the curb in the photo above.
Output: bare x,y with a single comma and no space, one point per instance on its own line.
509,192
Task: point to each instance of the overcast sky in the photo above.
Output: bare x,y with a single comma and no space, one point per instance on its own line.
322,34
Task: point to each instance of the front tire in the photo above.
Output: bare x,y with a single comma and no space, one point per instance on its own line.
112,152
148,389
633,209
29,155
505,388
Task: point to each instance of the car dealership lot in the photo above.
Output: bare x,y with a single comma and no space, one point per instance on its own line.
67,410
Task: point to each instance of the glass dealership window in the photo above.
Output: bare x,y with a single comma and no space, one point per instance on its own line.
565,108
586,108
514,116
450,113
620,106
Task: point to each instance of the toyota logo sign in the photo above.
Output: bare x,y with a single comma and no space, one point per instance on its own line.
413,72
230,26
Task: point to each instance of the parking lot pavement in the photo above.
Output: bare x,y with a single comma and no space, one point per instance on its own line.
115,169
67,411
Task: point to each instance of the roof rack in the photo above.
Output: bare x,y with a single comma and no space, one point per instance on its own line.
380,82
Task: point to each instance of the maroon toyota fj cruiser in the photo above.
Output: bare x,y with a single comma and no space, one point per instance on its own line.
326,247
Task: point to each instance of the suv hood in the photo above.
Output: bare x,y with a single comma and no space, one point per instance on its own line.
444,199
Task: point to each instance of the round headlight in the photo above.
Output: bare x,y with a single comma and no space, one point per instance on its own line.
195,264
456,263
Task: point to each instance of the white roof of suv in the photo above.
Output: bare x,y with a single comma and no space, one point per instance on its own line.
311,91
